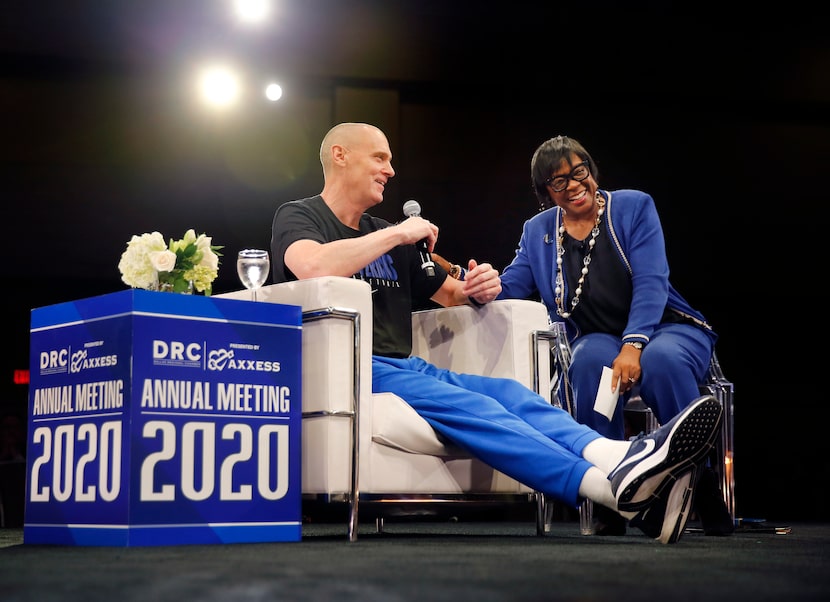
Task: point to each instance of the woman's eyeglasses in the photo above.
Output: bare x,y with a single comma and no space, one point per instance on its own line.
578,173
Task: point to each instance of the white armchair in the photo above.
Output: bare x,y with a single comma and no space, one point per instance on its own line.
359,447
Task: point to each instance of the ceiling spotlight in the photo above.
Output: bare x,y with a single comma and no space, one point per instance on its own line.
273,92
252,11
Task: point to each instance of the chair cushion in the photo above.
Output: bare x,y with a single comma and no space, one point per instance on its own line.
396,424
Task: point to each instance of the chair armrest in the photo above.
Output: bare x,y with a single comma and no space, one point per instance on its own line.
313,293
327,344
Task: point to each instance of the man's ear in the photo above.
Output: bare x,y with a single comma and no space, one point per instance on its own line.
338,153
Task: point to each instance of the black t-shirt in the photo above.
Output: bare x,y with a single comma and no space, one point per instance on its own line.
606,293
396,277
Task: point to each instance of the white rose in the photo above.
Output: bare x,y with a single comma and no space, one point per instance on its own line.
210,259
163,261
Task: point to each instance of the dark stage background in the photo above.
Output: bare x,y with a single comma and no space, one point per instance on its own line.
723,120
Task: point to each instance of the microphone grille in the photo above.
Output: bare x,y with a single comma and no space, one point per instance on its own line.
411,208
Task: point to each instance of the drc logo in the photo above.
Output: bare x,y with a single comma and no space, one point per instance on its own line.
55,361
176,353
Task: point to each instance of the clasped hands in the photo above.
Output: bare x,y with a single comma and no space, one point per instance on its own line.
482,282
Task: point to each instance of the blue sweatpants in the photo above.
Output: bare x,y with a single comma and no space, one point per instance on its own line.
673,364
497,420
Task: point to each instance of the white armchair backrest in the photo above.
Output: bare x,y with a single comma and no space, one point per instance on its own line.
494,340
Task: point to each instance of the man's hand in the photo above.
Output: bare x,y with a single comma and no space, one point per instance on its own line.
415,229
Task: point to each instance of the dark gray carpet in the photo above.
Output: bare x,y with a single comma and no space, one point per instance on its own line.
431,561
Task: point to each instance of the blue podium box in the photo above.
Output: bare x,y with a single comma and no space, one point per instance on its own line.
164,419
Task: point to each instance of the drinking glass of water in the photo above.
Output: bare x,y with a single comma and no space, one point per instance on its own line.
253,266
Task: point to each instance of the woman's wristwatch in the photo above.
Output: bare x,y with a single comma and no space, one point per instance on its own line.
635,344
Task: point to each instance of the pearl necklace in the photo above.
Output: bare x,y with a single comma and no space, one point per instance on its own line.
559,291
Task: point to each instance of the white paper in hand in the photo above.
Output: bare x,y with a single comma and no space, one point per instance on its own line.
606,401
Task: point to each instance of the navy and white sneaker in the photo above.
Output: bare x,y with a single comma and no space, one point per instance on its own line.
659,458
665,518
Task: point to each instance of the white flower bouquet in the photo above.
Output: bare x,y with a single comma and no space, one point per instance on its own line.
178,266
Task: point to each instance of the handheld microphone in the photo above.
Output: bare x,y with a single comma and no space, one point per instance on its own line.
413,208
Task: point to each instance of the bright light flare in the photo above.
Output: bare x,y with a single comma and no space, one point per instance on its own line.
219,86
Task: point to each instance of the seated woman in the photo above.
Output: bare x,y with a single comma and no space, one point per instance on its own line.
597,259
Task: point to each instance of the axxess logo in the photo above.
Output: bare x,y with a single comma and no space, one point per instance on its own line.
82,361
222,359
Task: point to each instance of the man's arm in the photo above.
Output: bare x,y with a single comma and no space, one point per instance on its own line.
308,258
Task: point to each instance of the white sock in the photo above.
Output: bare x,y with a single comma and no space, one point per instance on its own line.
605,454
596,487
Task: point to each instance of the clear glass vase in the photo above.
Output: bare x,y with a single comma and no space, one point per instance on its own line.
167,287
170,282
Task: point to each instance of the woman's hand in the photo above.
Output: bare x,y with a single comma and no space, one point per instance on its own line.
626,366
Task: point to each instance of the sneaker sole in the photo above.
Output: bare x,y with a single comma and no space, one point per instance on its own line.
678,507
671,512
691,439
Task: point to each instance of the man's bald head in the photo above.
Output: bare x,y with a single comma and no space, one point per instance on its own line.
348,135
